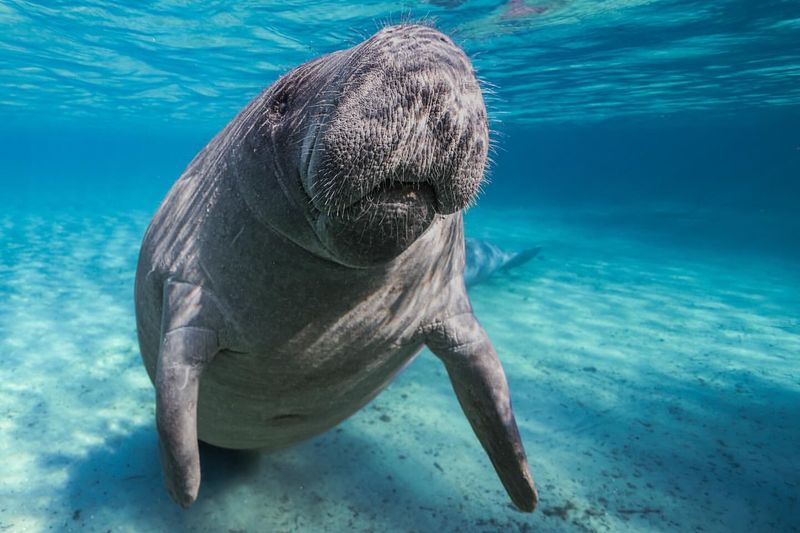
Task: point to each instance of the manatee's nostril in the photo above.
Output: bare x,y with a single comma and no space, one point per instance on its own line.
446,121
425,96
442,39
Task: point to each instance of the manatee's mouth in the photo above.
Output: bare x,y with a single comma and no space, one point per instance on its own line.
396,200
382,224
393,211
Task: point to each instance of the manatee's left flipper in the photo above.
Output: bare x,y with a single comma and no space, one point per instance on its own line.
480,384
189,342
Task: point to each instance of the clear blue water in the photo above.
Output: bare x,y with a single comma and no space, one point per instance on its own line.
651,148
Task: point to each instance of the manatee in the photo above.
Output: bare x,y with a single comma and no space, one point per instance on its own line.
484,259
311,250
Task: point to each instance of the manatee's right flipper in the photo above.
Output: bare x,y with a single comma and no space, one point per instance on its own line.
480,385
189,341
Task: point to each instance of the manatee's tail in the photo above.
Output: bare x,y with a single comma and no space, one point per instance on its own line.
521,258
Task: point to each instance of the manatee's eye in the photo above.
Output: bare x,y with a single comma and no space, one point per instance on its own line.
280,103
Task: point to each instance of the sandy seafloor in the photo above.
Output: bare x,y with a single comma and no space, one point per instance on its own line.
655,381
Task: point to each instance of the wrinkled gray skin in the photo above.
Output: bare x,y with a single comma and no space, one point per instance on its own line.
309,252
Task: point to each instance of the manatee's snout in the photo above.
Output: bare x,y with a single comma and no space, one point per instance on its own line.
409,112
405,137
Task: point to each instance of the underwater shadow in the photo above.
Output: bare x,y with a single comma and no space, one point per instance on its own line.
122,481
338,480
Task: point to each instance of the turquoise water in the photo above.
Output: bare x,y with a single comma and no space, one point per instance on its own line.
650,148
